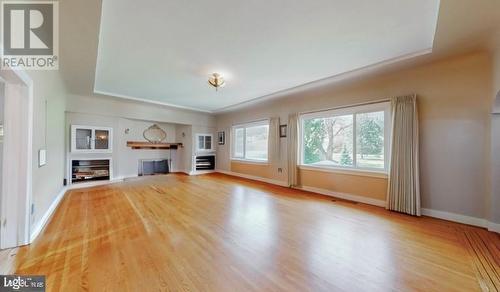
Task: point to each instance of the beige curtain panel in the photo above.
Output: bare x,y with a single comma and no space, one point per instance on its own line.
273,141
227,146
293,144
404,186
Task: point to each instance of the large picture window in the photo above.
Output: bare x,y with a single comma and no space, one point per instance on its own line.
250,141
355,137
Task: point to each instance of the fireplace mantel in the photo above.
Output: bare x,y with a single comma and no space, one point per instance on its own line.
149,145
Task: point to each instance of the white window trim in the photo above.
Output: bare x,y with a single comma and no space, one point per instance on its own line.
211,144
352,110
233,139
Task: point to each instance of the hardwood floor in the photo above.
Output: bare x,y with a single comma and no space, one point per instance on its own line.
220,233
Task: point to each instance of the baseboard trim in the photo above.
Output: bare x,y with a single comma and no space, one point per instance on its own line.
494,227
345,196
97,183
469,220
200,172
38,227
252,177
464,219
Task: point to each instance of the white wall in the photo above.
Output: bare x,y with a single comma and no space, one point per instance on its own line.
49,103
494,203
125,159
184,135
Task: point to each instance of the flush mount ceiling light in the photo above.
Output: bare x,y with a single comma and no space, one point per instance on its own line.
216,81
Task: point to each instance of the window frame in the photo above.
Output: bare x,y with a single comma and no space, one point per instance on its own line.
354,111
244,126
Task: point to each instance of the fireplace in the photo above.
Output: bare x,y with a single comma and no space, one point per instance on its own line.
153,166
84,170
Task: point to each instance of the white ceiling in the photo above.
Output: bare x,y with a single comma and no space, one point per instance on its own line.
164,51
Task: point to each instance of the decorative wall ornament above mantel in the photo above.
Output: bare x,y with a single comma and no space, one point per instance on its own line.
154,134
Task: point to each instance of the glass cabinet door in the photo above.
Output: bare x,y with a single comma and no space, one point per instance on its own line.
208,142
201,142
204,142
83,139
101,140
88,139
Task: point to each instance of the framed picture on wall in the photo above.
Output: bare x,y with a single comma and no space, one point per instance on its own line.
221,137
282,131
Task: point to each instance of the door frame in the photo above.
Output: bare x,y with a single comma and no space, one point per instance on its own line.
16,207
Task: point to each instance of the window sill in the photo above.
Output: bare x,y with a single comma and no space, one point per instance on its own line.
358,172
248,161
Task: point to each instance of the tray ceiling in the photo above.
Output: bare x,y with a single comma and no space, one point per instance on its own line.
164,51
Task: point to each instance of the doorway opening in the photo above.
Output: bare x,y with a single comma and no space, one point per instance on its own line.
16,116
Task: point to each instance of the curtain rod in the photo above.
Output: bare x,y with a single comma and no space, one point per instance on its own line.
346,106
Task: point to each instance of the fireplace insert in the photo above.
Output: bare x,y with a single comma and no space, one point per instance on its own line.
153,166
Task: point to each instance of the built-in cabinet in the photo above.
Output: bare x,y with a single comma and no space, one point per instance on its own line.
204,162
90,139
204,156
204,142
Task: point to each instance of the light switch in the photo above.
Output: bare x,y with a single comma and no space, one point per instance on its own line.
42,157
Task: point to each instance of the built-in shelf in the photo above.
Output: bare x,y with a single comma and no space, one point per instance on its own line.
204,162
85,170
149,145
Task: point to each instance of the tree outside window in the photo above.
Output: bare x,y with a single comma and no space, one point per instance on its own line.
330,141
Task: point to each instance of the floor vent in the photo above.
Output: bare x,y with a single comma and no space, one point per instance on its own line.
344,201
158,190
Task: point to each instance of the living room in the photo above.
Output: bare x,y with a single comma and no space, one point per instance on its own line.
284,146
